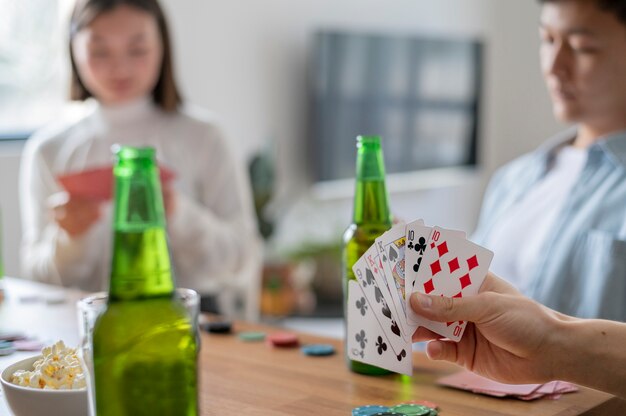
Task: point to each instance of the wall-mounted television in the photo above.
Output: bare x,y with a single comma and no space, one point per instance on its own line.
420,93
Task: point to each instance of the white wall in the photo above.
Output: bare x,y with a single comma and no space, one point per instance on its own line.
247,61
9,206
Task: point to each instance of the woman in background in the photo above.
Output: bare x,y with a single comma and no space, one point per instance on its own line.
122,65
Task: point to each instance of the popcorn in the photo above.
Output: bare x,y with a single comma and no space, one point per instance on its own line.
60,368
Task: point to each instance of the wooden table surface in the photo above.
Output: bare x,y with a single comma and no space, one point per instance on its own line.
241,378
254,379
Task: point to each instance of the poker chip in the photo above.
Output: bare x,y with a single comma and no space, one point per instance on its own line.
410,409
390,413
28,345
283,339
252,336
57,299
6,348
426,403
11,336
369,410
220,327
318,350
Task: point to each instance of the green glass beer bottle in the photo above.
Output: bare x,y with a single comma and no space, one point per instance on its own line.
371,217
144,344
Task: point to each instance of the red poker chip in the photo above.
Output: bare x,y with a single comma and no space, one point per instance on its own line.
283,339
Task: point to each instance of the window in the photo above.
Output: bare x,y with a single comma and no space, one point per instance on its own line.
33,64
420,94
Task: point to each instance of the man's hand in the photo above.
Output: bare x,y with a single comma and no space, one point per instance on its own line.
509,337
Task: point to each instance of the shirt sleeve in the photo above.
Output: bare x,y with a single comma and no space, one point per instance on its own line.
213,236
48,253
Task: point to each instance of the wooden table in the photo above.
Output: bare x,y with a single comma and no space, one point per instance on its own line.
240,378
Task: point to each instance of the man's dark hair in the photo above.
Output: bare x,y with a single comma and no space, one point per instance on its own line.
616,7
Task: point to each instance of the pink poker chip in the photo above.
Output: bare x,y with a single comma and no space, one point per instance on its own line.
27,345
283,339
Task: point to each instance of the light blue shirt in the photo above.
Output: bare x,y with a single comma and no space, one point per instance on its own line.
581,269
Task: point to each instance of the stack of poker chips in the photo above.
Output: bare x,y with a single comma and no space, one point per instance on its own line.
414,408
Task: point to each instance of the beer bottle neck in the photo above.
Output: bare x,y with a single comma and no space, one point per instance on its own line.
140,265
371,203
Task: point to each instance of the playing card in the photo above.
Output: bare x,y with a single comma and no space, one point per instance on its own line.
417,235
374,261
391,248
452,267
97,183
467,380
387,319
366,341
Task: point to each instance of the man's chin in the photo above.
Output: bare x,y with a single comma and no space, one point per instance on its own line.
565,115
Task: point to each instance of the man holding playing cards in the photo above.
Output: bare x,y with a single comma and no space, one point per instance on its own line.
513,339
556,218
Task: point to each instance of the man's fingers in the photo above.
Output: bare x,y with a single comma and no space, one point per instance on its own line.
442,350
493,283
444,309
423,334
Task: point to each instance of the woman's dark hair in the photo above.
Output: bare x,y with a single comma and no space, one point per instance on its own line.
616,7
165,93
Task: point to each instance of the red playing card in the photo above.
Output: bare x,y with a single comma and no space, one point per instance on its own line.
466,380
97,183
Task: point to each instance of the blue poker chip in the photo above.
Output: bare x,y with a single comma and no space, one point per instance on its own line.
369,410
318,350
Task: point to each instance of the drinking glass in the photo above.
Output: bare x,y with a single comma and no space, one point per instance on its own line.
92,306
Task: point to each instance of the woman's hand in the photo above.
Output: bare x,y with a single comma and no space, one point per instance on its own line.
75,215
169,200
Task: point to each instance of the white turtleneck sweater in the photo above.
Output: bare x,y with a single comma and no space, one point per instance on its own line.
212,231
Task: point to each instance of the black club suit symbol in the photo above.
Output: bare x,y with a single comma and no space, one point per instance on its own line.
421,245
361,304
416,266
381,345
360,338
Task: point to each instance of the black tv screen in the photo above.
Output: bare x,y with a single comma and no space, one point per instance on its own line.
420,93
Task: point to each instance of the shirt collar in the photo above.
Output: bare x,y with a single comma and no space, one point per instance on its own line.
612,145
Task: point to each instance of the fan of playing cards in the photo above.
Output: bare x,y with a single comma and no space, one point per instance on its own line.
407,258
